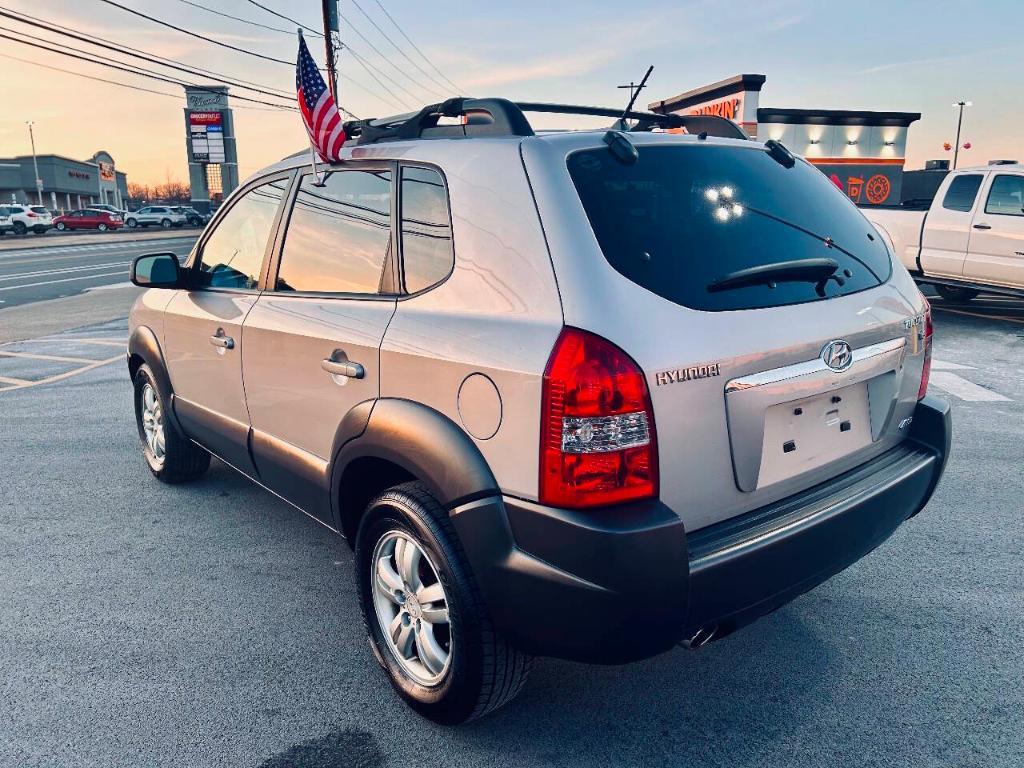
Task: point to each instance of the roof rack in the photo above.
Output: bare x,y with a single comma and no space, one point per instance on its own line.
501,117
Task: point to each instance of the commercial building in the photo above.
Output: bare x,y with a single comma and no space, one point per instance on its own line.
862,152
67,184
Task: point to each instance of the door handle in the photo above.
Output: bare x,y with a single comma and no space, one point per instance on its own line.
982,226
343,368
220,340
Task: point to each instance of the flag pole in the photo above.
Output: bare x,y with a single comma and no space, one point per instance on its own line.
312,151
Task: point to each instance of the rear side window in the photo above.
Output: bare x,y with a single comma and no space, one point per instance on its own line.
682,217
962,192
427,256
232,256
339,234
1006,197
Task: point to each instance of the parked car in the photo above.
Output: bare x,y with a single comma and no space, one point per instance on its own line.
29,218
88,219
121,212
193,218
583,394
6,221
154,215
970,240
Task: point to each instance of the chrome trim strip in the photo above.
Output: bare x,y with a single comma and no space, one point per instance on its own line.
809,367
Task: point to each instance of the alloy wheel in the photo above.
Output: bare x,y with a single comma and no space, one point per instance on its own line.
153,423
411,607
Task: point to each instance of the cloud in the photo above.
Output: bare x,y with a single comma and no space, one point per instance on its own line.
777,25
930,60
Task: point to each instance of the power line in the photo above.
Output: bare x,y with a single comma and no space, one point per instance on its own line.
116,82
272,12
376,50
196,34
416,47
235,18
205,72
135,71
395,100
90,77
395,45
369,66
118,49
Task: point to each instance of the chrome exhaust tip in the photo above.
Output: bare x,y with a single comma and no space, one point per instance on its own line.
700,638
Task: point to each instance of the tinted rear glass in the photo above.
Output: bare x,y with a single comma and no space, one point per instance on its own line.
683,216
961,193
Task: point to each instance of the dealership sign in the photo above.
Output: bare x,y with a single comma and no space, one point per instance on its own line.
206,136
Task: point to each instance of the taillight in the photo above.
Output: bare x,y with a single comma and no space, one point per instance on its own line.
32,215
926,370
598,444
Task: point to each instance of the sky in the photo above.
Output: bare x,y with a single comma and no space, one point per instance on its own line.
902,55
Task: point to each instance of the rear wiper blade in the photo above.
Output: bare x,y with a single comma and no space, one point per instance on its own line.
818,271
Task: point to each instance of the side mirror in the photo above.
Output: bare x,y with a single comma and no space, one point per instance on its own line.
156,270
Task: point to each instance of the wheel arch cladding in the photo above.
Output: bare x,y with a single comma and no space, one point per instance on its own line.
143,347
403,441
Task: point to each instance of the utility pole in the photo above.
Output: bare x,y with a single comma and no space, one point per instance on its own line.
631,86
959,124
35,163
331,28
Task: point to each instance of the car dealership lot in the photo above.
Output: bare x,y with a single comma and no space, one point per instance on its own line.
211,624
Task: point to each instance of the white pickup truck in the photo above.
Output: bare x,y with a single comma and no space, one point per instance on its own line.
972,237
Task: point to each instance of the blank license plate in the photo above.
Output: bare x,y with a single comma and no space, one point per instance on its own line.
809,433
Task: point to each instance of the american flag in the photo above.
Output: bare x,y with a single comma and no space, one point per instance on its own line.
319,112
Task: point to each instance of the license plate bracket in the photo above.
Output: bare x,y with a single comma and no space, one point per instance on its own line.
808,433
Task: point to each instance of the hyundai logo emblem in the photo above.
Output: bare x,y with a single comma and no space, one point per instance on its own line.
837,355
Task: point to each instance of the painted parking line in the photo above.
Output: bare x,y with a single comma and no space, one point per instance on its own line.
980,315
62,280
8,383
944,378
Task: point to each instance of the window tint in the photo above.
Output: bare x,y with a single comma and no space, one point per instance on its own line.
38,209
1006,196
233,255
961,193
682,217
426,230
339,234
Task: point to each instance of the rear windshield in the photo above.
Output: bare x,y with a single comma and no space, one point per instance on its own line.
39,209
680,218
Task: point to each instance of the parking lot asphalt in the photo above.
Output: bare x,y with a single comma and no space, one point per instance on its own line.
212,625
72,264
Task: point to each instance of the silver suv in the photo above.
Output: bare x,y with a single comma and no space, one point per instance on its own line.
583,394
165,216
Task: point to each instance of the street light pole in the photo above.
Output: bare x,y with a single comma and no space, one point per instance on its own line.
35,163
959,124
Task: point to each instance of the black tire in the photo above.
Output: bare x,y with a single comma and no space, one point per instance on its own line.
485,671
955,294
20,228
61,226
165,223
132,223
183,460
102,227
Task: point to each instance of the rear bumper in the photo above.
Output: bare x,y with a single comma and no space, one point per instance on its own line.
627,583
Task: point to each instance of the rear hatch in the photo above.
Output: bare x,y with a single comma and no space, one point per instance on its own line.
778,346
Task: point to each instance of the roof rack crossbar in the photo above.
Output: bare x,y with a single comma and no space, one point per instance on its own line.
500,117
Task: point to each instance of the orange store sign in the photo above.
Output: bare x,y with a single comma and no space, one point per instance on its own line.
729,109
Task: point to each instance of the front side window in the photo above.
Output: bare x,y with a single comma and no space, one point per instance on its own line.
685,220
427,256
962,192
232,256
1006,197
339,234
